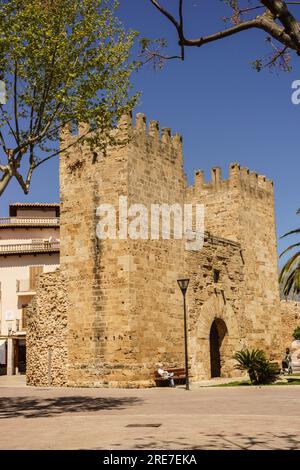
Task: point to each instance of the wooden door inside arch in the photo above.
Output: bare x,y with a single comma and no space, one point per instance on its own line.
217,334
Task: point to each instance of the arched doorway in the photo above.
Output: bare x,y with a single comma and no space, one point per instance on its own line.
218,331
214,309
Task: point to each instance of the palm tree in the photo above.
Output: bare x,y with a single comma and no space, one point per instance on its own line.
250,361
259,368
289,276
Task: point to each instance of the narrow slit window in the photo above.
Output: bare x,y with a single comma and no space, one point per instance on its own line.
216,275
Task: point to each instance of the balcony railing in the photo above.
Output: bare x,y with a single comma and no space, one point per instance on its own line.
25,248
25,285
29,221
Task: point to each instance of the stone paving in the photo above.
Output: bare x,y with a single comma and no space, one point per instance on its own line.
203,418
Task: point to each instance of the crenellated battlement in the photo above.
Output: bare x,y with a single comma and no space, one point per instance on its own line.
153,133
138,131
239,177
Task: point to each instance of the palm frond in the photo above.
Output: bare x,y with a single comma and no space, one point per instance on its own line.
292,232
292,282
289,276
248,359
297,281
289,266
288,249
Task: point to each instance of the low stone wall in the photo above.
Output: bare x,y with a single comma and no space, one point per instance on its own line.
46,333
290,315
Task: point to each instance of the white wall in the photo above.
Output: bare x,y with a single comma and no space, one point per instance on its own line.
13,268
17,235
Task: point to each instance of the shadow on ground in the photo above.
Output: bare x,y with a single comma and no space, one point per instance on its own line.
237,441
40,408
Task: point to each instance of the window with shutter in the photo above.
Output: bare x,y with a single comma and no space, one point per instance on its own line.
34,272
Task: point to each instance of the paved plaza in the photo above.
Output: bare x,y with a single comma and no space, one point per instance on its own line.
158,418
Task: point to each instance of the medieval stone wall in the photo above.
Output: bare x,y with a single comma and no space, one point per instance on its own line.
124,308
207,301
241,208
96,283
123,312
46,341
215,298
156,177
290,318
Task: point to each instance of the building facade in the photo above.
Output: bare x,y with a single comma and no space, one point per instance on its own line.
29,246
115,305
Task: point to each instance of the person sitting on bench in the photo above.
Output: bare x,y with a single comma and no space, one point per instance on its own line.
166,375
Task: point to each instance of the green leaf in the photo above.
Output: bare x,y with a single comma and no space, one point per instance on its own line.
61,61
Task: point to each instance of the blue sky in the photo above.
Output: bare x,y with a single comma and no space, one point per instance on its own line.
226,111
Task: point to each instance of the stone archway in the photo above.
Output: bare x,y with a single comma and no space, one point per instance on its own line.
217,344
219,314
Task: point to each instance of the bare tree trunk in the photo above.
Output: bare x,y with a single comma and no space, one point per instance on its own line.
4,182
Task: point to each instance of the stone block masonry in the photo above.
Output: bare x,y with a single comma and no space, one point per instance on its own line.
47,341
115,308
290,315
242,209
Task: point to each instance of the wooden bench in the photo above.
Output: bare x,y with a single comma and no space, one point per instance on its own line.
178,377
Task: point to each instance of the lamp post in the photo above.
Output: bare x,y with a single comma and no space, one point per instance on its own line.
183,284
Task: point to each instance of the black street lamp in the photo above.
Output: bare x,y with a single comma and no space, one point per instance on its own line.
183,284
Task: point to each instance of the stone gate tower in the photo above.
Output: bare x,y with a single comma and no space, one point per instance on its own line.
115,309
242,209
119,309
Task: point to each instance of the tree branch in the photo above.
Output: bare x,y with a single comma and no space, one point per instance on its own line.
4,182
21,181
288,33
47,86
25,185
152,55
276,32
181,13
222,34
166,14
4,168
288,21
8,123
36,138
16,102
3,142
62,150
181,25
29,175
280,53
31,146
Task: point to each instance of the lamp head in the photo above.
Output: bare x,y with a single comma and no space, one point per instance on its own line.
183,284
